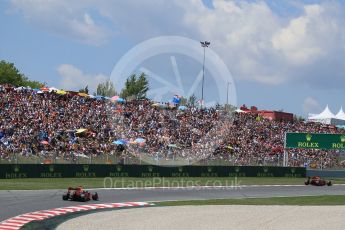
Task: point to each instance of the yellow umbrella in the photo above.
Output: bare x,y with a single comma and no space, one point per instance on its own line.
83,94
80,130
229,148
155,105
61,92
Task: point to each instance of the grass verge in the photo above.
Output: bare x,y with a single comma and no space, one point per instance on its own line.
299,200
63,183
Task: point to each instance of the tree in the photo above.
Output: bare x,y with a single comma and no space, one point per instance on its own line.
230,108
183,101
34,84
135,87
192,101
9,74
298,118
84,90
106,89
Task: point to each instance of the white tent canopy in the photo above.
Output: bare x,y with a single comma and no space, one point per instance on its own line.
340,115
327,117
325,114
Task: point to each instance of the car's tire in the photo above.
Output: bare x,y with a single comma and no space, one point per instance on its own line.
65,197
329,183
82,198
306,182
95,196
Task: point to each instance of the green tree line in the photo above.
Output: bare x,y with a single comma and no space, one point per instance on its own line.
9,74
136,86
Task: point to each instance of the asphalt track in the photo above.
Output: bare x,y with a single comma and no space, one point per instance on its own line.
15,202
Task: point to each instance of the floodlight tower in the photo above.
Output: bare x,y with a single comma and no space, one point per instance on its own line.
204,44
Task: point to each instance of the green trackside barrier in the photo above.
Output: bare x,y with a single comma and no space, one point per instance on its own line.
10,171
329,173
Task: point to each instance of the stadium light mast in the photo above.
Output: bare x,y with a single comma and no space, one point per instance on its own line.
226,106
227,92
204,44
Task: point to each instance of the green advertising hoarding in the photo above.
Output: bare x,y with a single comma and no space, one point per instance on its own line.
13,171
315,141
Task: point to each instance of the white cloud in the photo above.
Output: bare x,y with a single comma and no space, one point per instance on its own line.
65,18
259,45
256,43
306,38
74,79
241,33
310,105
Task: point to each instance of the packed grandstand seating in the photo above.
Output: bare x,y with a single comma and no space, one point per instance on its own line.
67,124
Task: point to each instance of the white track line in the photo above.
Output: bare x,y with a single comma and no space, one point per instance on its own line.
205,186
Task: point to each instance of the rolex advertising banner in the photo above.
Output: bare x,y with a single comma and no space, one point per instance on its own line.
315,141
13,171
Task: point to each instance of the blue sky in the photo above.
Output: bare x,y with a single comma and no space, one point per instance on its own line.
282,54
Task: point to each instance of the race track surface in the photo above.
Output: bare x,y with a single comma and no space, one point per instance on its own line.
13,203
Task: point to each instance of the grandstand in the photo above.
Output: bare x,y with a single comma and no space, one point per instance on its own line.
55,126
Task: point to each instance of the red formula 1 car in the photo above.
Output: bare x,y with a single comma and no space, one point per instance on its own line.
317,181
78,194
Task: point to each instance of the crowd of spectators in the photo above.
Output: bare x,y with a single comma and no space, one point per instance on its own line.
64,126
261,141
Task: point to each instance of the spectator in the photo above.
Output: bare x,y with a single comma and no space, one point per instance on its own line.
45,124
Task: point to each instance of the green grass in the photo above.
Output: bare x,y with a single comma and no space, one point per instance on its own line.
300,200
62,183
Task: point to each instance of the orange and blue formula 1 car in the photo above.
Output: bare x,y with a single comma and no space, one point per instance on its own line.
78,194
317,181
